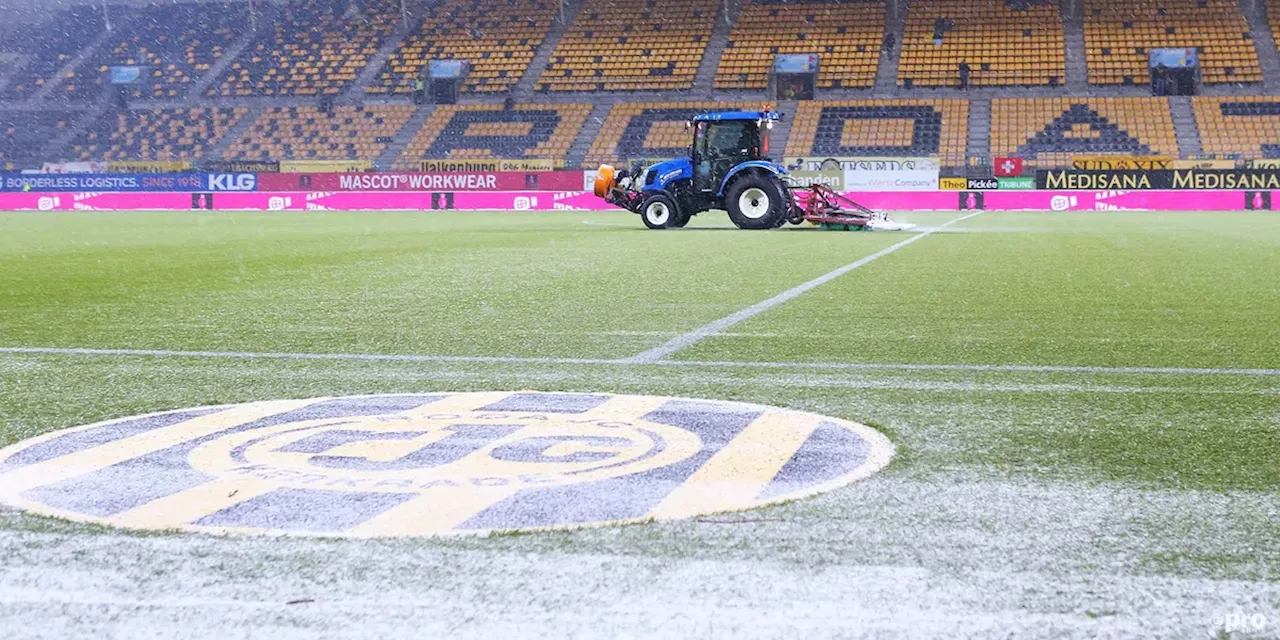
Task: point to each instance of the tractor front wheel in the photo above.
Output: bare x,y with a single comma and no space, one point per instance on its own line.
756,201
659,211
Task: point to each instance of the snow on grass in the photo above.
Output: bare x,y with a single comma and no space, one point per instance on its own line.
894,557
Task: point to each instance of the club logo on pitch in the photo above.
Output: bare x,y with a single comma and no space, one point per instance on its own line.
428,464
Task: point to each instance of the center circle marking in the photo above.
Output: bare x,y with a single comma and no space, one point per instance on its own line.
435,464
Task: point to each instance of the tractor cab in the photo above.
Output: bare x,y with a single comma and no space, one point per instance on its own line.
723,141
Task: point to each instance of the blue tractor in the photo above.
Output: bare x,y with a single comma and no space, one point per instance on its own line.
728,168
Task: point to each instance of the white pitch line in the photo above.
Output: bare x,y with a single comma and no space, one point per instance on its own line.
1007,368
684,341
376,357
826,366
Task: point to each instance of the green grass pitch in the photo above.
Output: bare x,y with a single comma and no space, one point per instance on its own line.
1086,409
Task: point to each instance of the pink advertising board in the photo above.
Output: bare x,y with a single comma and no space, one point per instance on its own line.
584,201
1065,200
305,201
386,182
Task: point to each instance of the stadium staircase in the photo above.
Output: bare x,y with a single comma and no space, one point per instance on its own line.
266,16
1073,40
403,138
1264,42
355,93
7,72
781,133
979,133
705,79
590,129
887,71
523,90
1185,127
220,147
57,80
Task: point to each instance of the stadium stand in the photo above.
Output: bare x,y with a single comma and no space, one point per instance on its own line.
1244,126
44,51
23,135
649,130
1047,132
1001,44
498,38
631,45
881,128
846,35
155,134
317,48
314,50
529,131
1119,33
308,133
173,43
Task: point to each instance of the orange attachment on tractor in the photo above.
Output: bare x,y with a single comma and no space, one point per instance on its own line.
606,178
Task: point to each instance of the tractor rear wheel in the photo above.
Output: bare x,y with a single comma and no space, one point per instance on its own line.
756,201
659,212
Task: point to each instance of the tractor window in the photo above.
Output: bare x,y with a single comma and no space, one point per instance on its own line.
700,139
727,139
720,146
750,140
736,139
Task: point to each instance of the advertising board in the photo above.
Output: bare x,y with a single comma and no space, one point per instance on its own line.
325,166
1016,183
875,174
114,182
147,166
833,180
465,166
74,167
1170,179
891,201
241,166
1117,163
470,181
982,184
1210,164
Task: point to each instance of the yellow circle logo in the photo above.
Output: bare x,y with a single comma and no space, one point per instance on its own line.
429,464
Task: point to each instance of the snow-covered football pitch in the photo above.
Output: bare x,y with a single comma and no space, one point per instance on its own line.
1084,411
